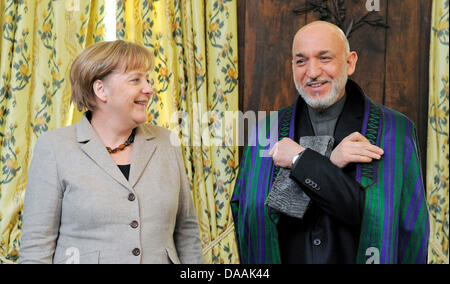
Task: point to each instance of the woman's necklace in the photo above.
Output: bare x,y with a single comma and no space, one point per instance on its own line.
122,147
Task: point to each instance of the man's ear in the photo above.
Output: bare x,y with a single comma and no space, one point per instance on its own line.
352,58
99,90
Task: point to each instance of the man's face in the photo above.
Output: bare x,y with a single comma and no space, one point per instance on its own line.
320,66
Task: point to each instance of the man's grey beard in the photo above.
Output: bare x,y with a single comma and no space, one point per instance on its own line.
318,103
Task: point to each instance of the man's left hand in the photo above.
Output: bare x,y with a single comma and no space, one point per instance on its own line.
284,151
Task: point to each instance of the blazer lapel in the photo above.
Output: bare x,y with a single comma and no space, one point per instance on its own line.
351,117
144,147
303,125
350,120
91,145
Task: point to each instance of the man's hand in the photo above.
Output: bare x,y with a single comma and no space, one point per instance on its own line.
355,148
284,151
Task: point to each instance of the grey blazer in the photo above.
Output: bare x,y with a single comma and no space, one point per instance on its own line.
79,207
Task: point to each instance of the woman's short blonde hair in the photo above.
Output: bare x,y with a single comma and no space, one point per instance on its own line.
98,61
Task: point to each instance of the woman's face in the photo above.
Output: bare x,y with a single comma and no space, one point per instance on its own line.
127,95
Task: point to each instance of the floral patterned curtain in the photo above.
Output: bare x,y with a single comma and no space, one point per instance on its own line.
438,149
38,41
194,43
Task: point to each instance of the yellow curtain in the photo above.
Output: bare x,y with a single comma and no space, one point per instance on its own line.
438,133
195,76
38,41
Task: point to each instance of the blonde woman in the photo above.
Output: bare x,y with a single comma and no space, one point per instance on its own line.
109,189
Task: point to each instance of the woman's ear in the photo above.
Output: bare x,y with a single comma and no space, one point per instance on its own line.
99,90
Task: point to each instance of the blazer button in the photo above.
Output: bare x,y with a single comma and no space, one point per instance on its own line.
136,252
131,197
134,224
317,242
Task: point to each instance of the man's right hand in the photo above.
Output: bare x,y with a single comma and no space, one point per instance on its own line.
355,148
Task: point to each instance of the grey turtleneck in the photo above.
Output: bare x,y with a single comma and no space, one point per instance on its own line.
324,122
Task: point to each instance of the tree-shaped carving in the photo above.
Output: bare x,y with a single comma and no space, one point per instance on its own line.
334,11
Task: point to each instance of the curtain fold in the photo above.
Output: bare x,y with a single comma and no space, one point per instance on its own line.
39,40
194,43
438,134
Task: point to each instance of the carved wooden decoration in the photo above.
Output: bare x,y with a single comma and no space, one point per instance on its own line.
334,11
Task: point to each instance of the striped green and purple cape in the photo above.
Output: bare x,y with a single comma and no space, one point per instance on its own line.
395,224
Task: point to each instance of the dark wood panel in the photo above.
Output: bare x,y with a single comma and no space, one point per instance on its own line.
423,77
406,57
270,26
402,58
370,44
241,8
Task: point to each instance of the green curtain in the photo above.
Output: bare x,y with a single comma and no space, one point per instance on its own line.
194,43
38,41
438,149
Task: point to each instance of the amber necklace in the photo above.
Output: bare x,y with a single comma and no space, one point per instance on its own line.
122,147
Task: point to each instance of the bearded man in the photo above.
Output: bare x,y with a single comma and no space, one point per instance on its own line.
343,183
